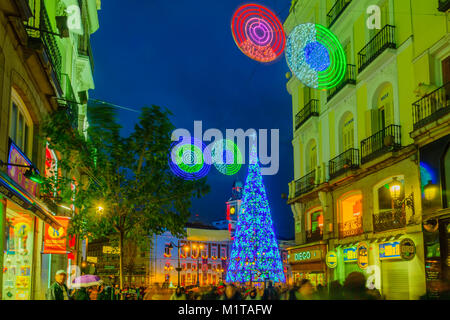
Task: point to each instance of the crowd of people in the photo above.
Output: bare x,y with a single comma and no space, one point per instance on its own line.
353,288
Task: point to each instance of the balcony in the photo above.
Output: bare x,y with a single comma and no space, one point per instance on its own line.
348,160
351,228
350,78
336,11
388,139
87,52
432,106
383,40
310,110
40,33
444,5
305,184
69,102
388,220
317,235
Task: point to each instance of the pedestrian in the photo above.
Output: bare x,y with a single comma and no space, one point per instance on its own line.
306,291
231,293
322,292
335,292
210,293
105,293
270,293
81,294
253,295
58,290
178,294
355,287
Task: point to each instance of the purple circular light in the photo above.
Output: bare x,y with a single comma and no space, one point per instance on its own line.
258,31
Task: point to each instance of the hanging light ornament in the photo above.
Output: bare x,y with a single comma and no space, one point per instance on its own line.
226,157
189,159
315,56
258,32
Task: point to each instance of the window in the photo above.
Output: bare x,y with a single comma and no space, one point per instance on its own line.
316,221
384,113
214,252
167,250
347,132
350,214
20,129
311,156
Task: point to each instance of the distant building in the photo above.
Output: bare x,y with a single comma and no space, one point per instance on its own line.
202,256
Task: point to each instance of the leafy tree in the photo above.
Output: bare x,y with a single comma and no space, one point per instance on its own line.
128,177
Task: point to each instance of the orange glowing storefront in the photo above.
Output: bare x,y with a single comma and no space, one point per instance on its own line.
308,262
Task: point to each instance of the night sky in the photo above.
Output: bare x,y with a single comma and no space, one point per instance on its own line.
181,55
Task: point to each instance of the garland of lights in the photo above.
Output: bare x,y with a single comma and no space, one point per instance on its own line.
315,56
189,159
226,157
258,32
255,255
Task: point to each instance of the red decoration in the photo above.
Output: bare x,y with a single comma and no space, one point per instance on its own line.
258,32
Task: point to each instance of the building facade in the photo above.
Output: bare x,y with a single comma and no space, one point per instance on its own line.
357,193
42,68
202,257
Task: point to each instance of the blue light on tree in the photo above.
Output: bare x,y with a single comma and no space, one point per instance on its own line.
255,255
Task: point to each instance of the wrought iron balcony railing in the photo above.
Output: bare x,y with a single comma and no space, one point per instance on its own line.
432,106
305,184
308,111
69,102
383,141
317,235
336,11
88,53
348,160
383,40
351,228
388,220
444,5
350,78
40,29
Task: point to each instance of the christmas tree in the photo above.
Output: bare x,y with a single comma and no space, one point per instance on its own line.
255,255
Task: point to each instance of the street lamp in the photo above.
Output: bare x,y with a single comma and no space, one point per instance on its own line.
395,190
178,269
32,173
201,246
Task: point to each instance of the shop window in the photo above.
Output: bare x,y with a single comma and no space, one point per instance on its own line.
18,254
20,128
350,214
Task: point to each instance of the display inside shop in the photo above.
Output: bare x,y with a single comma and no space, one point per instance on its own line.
17,256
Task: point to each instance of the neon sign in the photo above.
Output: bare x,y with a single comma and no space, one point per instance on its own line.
389,250
350,254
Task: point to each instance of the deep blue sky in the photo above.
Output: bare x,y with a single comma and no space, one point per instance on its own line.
181,55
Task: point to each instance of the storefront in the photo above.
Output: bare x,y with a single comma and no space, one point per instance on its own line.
23,215
308,262
347,262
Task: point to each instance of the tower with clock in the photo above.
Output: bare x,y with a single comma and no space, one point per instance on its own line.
233,206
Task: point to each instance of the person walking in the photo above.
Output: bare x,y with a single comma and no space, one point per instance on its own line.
178,294
270,293
58,290
81,294
355,287
305,291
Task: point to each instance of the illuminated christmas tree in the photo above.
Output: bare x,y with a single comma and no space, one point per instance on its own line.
255,255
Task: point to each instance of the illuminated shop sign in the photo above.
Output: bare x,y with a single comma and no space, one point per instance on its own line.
389,250
306,255
363,255
16,156
350,254
331,259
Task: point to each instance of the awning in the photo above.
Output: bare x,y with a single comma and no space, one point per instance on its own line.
16,193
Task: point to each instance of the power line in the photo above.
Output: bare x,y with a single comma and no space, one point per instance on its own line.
113,105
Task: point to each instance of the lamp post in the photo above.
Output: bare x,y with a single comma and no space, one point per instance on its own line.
201,246
178,269
395,190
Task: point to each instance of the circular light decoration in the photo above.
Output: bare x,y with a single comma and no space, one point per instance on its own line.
315,55
258,32
189,159
226,157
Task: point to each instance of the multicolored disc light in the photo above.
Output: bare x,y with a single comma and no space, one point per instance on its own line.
189,159
315,56
258,32
227,157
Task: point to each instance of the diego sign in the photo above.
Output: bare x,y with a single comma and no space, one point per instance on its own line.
407,249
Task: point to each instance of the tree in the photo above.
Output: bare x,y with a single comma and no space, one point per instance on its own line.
128,177
255,254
